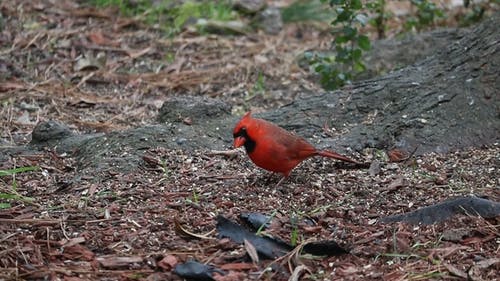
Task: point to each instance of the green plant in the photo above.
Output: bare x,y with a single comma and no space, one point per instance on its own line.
306,10
431,275
148,11
259,88
397,256
164,168
261,227
381,16
167,14
339,69
294,236
427,14
194,199
11,193
169,57
475,14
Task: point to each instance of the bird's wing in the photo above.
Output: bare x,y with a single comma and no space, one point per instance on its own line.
295,146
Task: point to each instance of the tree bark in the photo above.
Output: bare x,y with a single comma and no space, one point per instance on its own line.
445,102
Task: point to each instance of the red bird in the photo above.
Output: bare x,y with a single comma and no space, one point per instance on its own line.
274,148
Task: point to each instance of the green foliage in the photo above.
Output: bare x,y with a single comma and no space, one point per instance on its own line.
167,14
473,15
147,10
427,14
337,70
11,193
261,227
294,236
259,88
306,10
216,10
196,198
377,7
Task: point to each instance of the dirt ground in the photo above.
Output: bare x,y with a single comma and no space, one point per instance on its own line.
98,72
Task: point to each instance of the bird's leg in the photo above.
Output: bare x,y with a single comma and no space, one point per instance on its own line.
284,177
269,178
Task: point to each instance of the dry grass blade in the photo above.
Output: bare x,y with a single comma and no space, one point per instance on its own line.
292,257
30,221
297,272
229,153
181,230
455,271
252,252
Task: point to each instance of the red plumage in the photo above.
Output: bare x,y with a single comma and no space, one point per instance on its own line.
274,148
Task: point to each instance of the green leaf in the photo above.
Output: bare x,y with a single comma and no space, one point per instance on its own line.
361,18
341,39
356,4
4,205
356,54
364,42
341,76
17,170
343,56
359,66
345,15
349,32
319,68
9,196
336,2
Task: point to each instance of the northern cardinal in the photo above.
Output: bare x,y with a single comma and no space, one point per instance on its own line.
274,148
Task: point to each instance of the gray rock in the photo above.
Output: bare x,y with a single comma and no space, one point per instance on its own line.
249,6
48,131
194,109
269,20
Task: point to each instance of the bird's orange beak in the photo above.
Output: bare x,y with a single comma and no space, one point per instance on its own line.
239,141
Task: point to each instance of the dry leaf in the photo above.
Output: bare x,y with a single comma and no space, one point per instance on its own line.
73,241
117,262
168,262
297,272
98,38
397,155
238,266
78,252
455,271
252,252
138,53
181,230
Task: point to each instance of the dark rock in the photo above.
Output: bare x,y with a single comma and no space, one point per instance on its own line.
374,168
456,235
223,27
269,20
193,270
49,131
256,220
198,109
267,247
249,6
470,205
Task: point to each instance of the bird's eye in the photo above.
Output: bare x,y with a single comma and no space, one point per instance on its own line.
242,132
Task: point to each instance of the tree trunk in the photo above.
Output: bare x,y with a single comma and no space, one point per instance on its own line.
448,101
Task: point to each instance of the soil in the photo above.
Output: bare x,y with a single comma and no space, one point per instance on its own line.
84,220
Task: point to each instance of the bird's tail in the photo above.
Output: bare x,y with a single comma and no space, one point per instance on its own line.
335,155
